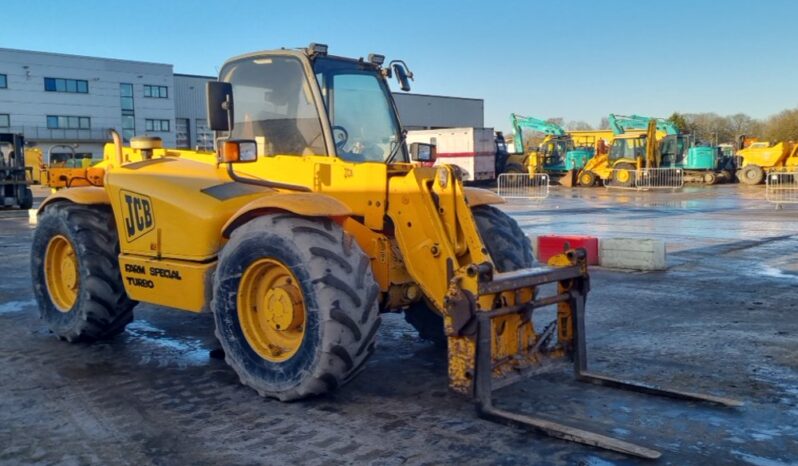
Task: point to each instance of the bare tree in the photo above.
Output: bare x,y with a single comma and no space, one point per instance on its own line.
741,123
578,125
782,127
604,123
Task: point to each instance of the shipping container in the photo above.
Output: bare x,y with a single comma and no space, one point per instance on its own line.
472,149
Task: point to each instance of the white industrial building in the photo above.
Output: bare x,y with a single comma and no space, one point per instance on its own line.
55,99
191,118
422,111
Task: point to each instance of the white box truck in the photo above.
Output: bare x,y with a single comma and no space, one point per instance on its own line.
472,149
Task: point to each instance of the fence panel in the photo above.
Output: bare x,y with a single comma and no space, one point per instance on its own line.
781,187
523,186
646,179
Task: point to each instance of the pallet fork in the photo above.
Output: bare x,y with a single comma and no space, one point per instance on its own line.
573,285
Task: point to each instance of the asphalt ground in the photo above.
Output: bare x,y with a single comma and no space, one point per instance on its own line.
722,319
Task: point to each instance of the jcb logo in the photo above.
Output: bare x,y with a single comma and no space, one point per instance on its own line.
137,213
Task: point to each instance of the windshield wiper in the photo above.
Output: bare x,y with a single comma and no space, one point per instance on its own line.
395,150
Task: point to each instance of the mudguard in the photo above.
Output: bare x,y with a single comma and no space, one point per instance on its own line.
81,195
305,204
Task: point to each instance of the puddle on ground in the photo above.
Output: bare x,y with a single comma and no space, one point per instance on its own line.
756,460
774,272
169,350
15,306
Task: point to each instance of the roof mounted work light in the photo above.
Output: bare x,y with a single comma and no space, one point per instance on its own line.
376,59
317,49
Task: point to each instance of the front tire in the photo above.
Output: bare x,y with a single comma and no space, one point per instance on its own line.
509,249
295,305
26,199
514,168
76,278
587,178
752,174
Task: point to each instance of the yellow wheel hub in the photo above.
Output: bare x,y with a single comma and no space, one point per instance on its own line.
623,176
585,179
61,273
271,310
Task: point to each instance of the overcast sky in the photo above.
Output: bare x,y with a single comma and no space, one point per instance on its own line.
578,60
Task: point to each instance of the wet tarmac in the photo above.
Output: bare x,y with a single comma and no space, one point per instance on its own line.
723,319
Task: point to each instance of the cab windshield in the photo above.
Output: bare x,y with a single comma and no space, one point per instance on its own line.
628,148
358,103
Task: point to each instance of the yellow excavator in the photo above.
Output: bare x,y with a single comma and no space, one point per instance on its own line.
311,219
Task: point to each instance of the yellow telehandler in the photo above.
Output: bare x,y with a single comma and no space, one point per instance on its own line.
311,219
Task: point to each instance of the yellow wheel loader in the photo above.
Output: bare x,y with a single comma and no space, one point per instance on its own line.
311,220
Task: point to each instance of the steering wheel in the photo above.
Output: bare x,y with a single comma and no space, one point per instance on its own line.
341,137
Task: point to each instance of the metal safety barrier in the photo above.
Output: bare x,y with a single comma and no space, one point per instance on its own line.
523,186
646,179
781,187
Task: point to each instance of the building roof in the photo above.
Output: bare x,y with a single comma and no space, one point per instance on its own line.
184,75
83,56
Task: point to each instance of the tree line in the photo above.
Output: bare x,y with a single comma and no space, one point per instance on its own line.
716,129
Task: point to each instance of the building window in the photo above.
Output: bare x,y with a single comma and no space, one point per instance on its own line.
128,113
68,122
204,135
126,93
3,81
74,86
5,120
157,92
182,133
156,126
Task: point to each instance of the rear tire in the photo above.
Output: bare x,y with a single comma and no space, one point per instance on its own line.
338,301
623,175
507,245
99,307
752,174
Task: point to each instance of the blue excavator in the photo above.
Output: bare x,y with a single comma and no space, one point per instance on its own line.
556,155
701,164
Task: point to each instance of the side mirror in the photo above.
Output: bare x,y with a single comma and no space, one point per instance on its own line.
421,152
239,151
219,97
401,77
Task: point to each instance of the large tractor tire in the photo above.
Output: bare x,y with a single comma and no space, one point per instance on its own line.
76,278
507,245
623,175
752,174
295,305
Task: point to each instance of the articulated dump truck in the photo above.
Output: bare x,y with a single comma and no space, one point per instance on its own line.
311,219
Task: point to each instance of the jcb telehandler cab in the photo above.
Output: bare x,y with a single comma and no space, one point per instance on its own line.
311,222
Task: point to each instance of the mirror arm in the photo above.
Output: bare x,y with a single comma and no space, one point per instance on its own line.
265,183
227,107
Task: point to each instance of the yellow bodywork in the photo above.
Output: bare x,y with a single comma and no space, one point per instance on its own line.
34,161
600,164
174,211
775,156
